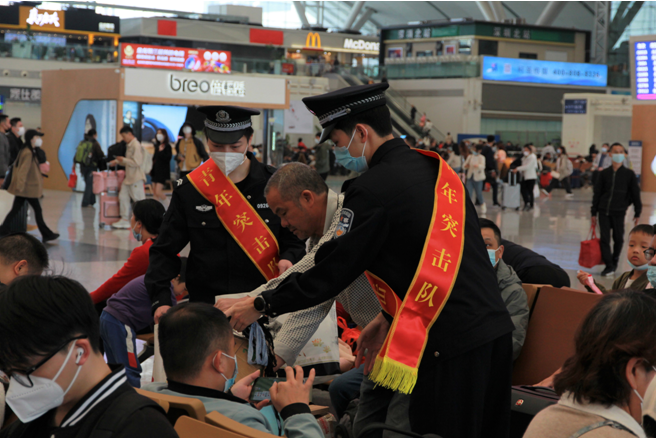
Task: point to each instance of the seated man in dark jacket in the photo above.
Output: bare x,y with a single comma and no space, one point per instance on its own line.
615,189
533,268
59,383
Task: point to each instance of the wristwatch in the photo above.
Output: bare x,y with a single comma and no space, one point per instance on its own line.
259,304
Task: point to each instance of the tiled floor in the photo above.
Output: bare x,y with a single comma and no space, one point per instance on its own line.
90,254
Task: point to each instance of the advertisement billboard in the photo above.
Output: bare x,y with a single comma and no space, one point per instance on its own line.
175,58
645,65
544,72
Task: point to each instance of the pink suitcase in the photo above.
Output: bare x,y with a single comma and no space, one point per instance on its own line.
110,211
99,183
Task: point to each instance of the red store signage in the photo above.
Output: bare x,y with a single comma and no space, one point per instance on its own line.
175,58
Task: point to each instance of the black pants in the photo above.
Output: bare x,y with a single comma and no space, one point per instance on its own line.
493,184
606,223
564,183
545,275
89,199
465,396
15,210
527,191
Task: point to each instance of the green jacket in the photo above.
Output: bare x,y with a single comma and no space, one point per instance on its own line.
514,297
620,283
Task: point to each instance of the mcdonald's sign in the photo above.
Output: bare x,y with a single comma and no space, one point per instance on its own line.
313,40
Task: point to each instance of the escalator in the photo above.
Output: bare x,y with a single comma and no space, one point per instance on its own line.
398,105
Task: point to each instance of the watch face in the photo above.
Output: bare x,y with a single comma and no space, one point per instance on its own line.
259,304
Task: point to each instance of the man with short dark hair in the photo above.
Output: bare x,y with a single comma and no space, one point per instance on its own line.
59,383
206,370
449,343
16,131
21,254
615,189
132,188
491,170
5,154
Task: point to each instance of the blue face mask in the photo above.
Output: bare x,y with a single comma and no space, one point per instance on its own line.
493,256
136,235
618,158
475,153
357,164
229,382
641,267
651,275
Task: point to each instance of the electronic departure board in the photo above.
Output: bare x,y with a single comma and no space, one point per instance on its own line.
645,66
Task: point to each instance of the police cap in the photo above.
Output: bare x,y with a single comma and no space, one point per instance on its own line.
338,105
225,124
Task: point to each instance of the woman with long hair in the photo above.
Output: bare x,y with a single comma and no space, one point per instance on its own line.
161,171
27,185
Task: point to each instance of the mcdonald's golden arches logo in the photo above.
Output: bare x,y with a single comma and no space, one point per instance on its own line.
313,40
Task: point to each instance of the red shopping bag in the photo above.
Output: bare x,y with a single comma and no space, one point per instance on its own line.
591,251
72,179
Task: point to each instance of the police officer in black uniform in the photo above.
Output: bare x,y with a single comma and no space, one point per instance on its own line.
217,265
463,385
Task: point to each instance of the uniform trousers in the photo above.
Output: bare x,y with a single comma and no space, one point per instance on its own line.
616,224
467,395
378,404
127,194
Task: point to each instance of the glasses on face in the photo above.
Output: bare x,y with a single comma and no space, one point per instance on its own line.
22,377
649,253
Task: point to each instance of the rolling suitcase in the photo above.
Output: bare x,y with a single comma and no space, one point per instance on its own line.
525,403
510,195
110,210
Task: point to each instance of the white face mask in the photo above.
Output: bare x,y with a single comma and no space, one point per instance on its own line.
29,403
525,153
160,137
186,130
228,161
21,131
38,141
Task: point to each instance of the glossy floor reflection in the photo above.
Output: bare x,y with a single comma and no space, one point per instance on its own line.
554,228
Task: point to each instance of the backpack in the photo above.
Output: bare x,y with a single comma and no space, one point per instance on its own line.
83,153
147,163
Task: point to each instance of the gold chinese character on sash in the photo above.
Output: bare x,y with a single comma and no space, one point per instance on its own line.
450,224
211,177
273,266
440,260
243,221
261,244
380,292
224,198
449,193
426,293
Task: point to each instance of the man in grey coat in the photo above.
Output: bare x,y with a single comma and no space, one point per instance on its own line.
512,292
5,155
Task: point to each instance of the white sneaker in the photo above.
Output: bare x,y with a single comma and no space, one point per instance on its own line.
544,191
122,224
483,208
569,196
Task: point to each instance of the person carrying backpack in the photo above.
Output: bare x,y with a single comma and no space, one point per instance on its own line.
88,155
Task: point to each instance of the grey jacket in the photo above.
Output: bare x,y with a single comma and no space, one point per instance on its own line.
298,425
5,155
514,297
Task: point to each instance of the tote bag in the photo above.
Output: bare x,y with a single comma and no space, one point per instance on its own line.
590,254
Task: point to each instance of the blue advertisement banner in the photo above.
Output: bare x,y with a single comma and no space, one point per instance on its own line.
544,72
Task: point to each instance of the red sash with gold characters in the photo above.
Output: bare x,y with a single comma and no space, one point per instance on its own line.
238,217
398,361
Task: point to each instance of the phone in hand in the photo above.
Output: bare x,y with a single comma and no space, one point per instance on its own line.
261,388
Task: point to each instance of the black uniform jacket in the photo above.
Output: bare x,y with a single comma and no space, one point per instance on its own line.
216,264
391,206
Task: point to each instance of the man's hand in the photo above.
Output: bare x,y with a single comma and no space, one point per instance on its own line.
112,163
293,390
636,221
594,221
284,265
159,313
243,314
279,362
225,304
371,340
242,388
582,277
120,159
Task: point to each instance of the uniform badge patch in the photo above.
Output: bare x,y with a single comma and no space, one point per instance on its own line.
222,116
180,181
345,221
204,208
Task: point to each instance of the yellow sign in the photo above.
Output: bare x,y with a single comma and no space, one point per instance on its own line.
41,19
313,40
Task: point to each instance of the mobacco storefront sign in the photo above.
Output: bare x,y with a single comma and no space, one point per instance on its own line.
205,87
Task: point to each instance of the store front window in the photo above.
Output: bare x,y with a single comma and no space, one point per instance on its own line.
56,46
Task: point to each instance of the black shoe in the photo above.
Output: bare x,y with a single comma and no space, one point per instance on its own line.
608,271
50,237
497,205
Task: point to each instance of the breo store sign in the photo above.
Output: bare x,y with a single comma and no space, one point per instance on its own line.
215,87
369,46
